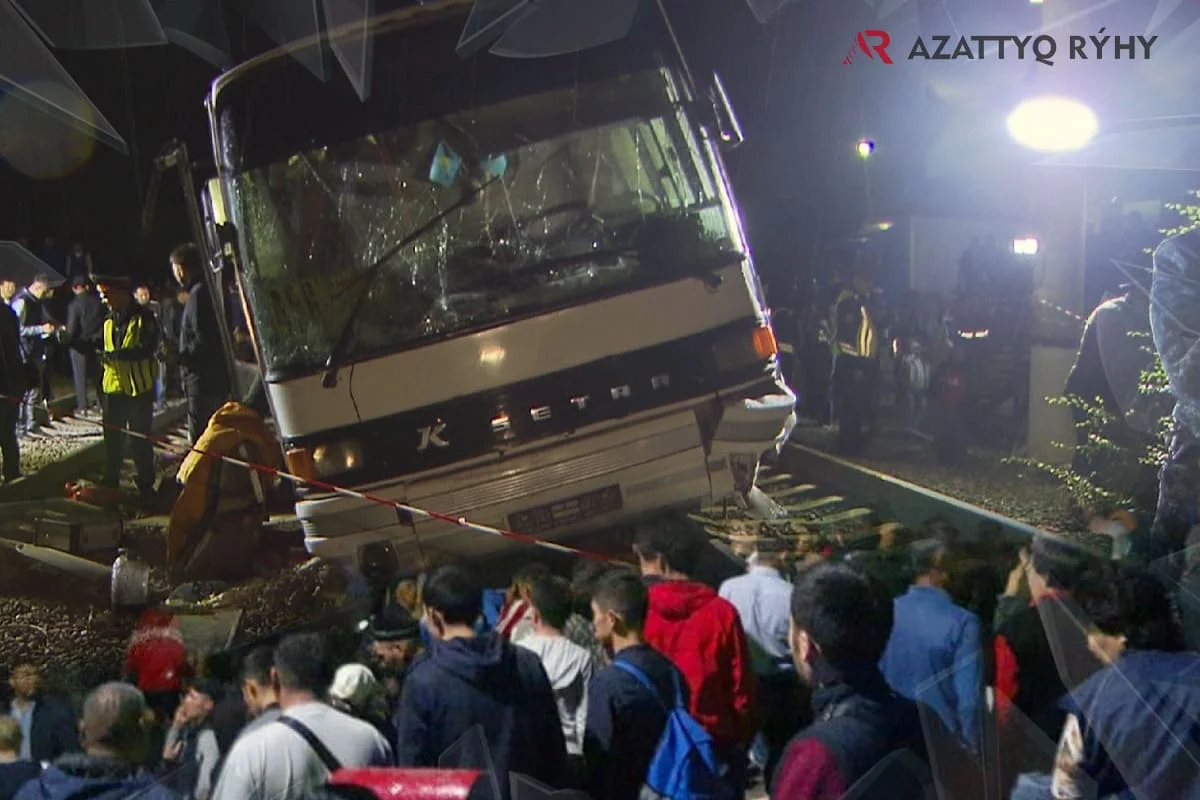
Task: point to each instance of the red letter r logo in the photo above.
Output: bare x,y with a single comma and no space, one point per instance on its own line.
881,41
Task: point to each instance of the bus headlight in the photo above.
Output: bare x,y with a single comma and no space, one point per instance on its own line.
337,457
745,348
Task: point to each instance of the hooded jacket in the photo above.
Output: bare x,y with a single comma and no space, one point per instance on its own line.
79,776
569,668
702,635
487,687
211,486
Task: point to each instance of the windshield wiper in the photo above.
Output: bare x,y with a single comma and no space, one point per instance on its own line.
342,342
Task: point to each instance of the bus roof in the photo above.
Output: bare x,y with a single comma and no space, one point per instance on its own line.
272,107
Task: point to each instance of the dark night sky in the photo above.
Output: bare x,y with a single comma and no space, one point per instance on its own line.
794,113
796,176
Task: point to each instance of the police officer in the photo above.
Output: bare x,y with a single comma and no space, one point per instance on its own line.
128,345
855,348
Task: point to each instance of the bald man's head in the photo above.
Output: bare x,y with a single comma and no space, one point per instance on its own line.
112,721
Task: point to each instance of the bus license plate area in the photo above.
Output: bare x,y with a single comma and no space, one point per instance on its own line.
566,512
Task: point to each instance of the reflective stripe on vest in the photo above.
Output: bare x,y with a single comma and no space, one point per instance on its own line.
131,378
866,344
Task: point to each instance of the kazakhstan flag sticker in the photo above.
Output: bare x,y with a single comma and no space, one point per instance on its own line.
445,166
496,166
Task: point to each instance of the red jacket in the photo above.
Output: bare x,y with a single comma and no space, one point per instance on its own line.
157,658
702,635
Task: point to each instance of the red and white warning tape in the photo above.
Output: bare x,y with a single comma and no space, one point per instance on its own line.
343,491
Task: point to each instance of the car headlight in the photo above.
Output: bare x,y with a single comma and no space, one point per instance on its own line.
337,457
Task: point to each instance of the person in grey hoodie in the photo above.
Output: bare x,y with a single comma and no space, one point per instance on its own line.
115,741
568,666
475,700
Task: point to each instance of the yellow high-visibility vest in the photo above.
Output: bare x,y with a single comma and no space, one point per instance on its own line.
866,342
131,378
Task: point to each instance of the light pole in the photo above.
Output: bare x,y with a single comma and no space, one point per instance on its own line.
1053,124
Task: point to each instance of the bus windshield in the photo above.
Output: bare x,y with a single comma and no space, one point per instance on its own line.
541,210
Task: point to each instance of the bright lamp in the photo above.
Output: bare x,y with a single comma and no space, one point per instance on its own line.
1053,124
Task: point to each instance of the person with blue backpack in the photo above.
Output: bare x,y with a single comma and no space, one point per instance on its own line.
640,741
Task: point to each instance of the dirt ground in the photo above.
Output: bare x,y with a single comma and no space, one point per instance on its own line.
67,624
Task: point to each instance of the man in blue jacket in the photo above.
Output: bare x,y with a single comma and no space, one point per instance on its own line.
115,741
934,654
474,701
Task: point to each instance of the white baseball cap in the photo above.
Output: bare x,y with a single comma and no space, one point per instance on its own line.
352,683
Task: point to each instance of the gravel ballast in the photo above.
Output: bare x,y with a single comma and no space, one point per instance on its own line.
66,624
987,479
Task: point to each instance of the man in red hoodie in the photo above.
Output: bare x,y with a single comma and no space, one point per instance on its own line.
702,635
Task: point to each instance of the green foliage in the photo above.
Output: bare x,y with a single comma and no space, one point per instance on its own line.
1190,213
1125,472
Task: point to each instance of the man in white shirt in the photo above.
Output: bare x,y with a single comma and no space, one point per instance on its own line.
257,692
568,666
294,756
763,600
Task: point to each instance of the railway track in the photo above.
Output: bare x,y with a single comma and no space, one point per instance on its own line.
830,499
70,447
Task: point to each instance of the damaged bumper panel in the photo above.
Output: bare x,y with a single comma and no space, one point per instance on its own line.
576,486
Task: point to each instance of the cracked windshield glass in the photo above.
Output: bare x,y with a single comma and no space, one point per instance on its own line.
529,212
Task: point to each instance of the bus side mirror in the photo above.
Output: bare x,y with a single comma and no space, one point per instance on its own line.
729,130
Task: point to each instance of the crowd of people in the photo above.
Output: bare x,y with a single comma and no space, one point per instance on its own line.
126,346
887,671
